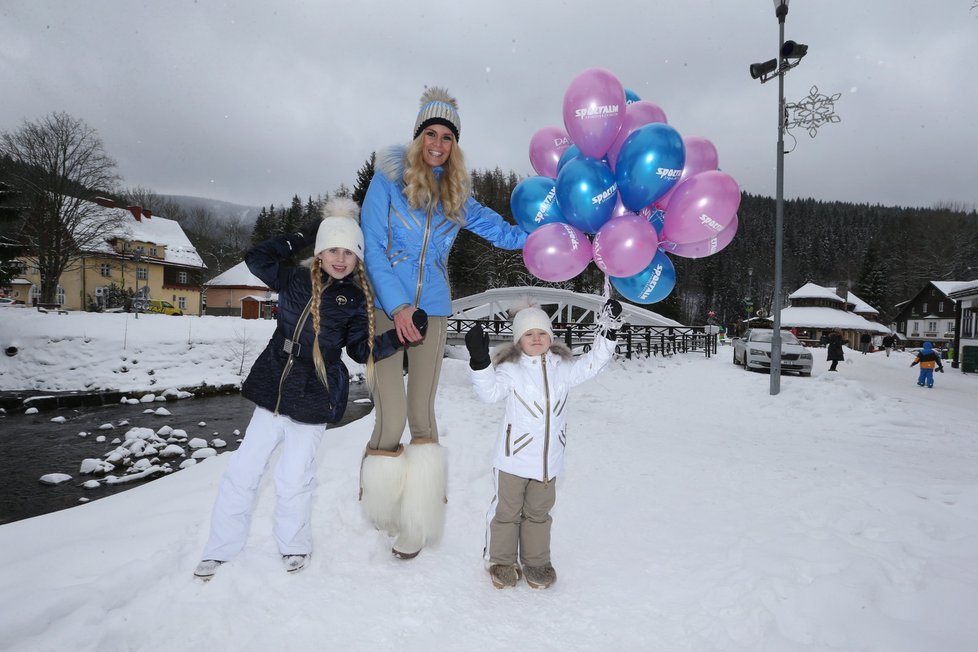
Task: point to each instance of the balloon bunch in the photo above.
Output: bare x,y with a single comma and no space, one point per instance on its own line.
619,173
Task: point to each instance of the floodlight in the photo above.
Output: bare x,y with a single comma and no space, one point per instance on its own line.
762,69
792,50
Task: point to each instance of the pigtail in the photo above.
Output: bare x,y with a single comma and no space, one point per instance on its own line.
316,276
368,294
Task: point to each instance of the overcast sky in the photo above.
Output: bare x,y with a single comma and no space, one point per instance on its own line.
252,102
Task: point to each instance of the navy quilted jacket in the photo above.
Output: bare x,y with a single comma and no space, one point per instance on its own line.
292,388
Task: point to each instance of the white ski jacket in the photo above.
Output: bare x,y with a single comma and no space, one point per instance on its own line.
533,434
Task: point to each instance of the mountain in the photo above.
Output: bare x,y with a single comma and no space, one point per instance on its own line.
220,209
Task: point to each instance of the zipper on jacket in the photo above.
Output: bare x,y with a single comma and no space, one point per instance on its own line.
424,251
546,427
509,432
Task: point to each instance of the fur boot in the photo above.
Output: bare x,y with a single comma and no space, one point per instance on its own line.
422,514
382,476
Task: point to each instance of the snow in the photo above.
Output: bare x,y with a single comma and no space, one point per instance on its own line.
54,478
822,317
155,230
696,512
237,276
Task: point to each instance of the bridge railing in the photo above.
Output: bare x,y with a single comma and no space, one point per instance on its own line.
632,340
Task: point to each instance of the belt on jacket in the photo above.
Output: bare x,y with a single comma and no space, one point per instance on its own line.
295,349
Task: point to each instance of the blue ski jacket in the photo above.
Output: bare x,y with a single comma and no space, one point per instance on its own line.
406,251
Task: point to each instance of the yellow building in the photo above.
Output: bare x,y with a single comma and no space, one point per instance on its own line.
148,254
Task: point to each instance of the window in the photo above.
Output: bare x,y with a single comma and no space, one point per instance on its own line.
932,327
968,318
924,309
182,278
105,269
152,251
182,303
940,307
35,268
142,273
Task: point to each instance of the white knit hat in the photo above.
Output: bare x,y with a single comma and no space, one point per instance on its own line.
340,227
529,318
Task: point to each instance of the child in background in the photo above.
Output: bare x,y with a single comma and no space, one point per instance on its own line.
928,359
298,383
534,375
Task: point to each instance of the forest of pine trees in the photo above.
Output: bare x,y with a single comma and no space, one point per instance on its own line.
885,254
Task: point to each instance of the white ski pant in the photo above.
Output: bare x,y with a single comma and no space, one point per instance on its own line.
295,479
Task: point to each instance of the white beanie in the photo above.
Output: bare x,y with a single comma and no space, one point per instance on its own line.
340,227
529,318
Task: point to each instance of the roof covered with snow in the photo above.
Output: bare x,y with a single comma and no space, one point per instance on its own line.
813,291
237,276
821,317
947,287
155,230
967,287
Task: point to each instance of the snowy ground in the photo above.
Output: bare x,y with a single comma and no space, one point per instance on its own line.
696,513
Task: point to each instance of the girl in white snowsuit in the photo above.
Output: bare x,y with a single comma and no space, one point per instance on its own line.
534,375
298,383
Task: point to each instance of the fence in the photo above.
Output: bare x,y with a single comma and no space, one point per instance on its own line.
632,340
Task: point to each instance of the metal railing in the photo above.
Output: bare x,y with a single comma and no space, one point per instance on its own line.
632,340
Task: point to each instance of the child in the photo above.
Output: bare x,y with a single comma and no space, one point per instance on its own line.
928,359
298,383
534,375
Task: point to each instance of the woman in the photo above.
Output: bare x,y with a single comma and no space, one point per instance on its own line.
418,200
834,353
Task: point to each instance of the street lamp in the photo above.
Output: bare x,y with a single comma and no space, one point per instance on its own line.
789,56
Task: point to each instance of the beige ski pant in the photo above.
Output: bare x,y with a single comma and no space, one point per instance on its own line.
415,406
520,520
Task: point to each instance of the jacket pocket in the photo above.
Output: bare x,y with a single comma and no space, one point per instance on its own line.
509,430
521,442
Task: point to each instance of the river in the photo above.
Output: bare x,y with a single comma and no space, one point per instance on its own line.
33,445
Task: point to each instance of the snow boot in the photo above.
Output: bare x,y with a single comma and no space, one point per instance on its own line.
540,577
422,509
294,563
381,485
206,568
505,575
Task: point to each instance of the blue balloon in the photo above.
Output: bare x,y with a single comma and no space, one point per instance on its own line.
652,284
569,154
649,163
534,203
586,193
631,96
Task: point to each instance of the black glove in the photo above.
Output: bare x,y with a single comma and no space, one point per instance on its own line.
420,320
477,342
309,230
612,309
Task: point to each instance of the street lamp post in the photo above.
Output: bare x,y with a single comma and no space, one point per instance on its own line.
789,54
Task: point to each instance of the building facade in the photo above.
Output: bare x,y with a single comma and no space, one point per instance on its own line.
929,316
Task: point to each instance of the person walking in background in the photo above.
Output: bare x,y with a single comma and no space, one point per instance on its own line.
534,375
865,340
928,359
298,383
834,351
888,343
417,202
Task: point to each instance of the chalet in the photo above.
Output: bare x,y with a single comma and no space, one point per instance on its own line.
815,311
966,330
929,316
238,292
146,254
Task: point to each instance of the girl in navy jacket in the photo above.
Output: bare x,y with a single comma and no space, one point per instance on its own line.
298,383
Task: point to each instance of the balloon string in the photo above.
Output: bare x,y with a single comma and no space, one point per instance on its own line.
607,287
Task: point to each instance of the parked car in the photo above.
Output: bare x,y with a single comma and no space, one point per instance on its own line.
161,307
8,302
753,350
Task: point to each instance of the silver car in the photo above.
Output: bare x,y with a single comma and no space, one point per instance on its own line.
753,350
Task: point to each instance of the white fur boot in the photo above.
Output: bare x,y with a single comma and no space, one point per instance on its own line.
422,516
381,485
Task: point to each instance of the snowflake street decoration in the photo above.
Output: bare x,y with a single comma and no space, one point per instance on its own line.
812,112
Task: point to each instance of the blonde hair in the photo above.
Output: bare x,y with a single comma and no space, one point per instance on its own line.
424,192
316,274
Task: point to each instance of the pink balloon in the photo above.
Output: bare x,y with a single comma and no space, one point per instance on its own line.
556,252
594,109
546,146
704,248
620,209
701,156
637,114
625,245
702,207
